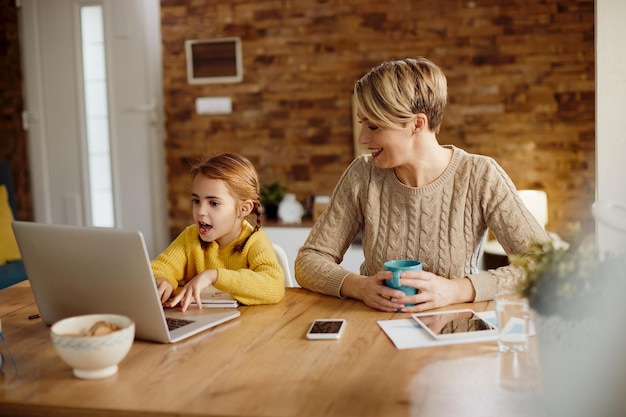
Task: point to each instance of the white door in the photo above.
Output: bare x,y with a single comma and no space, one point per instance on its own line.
57,123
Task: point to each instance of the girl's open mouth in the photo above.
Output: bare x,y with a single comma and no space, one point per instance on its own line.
204,228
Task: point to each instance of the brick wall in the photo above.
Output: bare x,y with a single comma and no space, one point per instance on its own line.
12,136
521,87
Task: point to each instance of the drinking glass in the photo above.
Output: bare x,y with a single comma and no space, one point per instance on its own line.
512,313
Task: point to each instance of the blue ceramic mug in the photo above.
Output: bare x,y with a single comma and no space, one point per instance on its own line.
397,267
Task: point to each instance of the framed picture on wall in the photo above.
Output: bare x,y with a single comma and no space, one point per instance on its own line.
214,61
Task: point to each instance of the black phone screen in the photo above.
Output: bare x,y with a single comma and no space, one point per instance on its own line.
326,327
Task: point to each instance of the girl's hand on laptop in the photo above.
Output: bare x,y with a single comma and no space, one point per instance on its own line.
193,289
165,290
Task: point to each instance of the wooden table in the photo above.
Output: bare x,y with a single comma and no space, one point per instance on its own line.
261,364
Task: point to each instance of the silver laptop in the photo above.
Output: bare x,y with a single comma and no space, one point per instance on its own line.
77,270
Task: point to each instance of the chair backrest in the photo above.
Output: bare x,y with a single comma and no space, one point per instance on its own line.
290,282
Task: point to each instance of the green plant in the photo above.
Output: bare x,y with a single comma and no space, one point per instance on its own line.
563,280
273,193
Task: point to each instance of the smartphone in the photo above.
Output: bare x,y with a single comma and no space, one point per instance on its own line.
456,324
326,329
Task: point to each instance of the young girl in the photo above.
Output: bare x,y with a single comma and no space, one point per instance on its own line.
222,248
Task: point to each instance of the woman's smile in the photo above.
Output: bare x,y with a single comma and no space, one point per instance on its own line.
376,152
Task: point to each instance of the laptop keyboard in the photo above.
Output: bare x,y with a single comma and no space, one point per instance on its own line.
173,324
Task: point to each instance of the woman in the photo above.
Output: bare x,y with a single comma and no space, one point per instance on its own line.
412,198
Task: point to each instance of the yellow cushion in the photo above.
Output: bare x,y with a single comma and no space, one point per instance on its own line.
8,246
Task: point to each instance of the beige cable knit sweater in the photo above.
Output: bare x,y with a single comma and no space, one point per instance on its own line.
443,224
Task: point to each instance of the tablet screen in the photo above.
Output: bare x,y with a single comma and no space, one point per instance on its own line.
454,323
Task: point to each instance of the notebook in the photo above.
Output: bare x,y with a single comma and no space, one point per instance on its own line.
75,270
211,297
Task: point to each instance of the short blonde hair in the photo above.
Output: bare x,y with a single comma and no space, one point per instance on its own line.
395,91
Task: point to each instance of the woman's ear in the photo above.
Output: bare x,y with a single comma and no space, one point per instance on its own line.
420,122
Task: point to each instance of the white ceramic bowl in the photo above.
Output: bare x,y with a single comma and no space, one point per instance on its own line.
92,357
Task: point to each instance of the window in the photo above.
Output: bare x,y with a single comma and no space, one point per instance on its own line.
96,116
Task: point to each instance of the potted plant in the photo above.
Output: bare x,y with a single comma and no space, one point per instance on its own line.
271,195
564,280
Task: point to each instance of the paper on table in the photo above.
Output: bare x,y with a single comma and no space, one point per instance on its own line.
407,334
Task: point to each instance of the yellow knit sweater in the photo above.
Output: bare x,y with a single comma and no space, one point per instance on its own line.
252,276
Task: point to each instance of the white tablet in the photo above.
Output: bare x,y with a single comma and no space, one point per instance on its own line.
456,324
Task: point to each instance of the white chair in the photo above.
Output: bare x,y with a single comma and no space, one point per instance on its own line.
284,262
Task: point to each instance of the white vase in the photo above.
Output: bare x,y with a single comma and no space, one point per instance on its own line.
290,210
